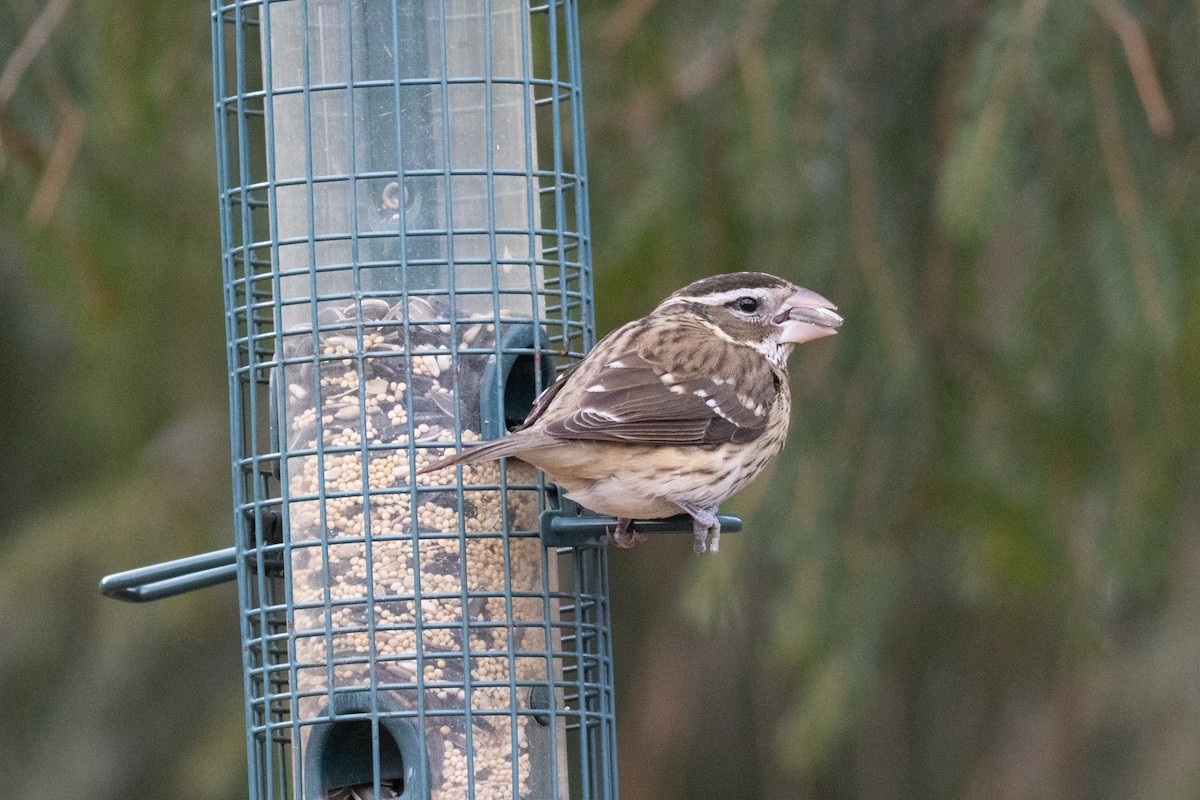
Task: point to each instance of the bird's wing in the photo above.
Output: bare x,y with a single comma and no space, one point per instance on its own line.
711,394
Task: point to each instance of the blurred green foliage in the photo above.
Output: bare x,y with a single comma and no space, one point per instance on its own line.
972,574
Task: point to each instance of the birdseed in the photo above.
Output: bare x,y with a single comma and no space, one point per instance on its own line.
357,569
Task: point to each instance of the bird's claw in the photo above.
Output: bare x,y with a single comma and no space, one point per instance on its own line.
625,535
706,528
706,538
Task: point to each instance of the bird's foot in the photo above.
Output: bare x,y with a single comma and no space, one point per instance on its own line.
625,535
706,527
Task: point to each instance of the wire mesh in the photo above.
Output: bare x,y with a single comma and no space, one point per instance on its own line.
404,226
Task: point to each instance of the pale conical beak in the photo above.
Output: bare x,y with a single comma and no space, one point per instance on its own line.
806,316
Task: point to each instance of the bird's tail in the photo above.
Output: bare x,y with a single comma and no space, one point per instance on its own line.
489,451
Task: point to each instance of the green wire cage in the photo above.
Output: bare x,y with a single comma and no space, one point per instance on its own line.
403,207
406,258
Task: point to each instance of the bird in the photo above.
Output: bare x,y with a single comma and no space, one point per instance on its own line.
673,412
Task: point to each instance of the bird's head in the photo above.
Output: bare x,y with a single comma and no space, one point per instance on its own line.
758,310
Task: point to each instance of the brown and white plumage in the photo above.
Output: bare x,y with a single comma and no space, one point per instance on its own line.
674,411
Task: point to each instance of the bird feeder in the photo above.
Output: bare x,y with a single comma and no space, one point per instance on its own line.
406,263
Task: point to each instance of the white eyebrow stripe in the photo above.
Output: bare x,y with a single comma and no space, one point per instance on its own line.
718,299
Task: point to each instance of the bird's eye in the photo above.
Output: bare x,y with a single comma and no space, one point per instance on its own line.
747,304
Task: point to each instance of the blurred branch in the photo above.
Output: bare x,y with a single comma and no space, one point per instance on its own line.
622,23
18,142
974,175
1141,65
58,164
1120,171
1013,67
34,40
886,293
1126,196
31,44
709,64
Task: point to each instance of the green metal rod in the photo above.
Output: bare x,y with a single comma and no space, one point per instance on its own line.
567,529
170,578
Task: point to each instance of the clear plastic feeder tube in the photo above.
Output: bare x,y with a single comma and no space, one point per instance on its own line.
403,134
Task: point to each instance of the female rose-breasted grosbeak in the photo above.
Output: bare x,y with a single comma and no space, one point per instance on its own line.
674,411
